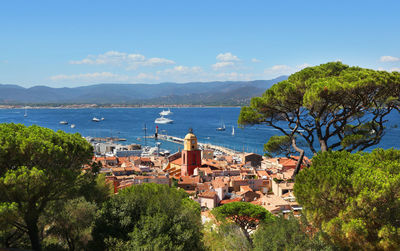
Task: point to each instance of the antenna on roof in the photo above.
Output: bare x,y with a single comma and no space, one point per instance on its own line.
145,136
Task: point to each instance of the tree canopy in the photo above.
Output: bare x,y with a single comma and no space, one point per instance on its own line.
37,166
148,217
287,234
328,107
246,215
354,198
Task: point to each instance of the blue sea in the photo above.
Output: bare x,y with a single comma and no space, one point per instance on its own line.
129,123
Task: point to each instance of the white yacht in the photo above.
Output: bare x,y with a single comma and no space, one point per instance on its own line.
63,122
95,119
163,120
166,112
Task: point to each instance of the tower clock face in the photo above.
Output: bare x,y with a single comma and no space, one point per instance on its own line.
193,141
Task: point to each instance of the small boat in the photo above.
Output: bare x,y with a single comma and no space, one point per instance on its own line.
63,122
233,131
26,113
72,125
163,120
221,128
102,119
94,119
166,112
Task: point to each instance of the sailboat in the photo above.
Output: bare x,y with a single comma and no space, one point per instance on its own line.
233,131
26,113
222,127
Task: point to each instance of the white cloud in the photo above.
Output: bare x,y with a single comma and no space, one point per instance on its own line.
302,66
84,76
227,57
234,76
180,69
96,77
255,60
220,65
146,76
389,59
130,61
278,70
395,69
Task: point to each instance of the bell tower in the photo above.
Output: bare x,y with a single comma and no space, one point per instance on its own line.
191,155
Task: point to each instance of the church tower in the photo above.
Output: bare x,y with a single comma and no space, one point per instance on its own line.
191,155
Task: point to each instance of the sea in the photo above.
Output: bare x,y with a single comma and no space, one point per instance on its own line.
134,123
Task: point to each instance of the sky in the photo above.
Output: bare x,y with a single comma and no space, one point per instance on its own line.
75,43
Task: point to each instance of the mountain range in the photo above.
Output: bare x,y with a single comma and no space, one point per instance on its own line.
193,93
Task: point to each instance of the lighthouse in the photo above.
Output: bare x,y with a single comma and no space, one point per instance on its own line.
191,154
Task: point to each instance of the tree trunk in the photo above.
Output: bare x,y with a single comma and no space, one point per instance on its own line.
33,233
300,160
324,148
298,164
247,235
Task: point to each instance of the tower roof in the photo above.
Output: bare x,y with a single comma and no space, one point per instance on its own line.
190,135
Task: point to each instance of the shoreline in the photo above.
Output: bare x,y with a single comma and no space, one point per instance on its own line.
95,106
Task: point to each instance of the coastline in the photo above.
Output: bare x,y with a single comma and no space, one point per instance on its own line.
95,106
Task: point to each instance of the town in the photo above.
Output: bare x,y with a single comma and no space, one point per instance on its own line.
210,175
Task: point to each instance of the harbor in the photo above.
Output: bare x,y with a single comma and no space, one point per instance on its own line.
178,140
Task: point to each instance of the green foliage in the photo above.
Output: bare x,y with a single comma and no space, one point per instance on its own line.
148,217
72,223
354,198
38,166
279,145
286,234
326,105
246,215
225,237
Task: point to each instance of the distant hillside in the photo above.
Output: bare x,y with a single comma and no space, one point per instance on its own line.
194,93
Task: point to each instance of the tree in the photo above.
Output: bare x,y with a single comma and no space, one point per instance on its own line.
246,215
38,166
328,107
354,198
286,234
72,223
226,236
148,217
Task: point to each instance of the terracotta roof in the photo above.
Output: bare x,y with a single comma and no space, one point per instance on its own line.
189,179
203,186
118,169
223,202
208,194
178,161
262,173
218,183
245,189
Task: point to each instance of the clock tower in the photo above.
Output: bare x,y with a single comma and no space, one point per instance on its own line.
191,155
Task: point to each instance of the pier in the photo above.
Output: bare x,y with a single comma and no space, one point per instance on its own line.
178,140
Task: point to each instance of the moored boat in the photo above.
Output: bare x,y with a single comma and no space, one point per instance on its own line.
166,112
163,120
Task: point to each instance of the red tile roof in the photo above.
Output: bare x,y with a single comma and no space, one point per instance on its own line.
208,194
223,202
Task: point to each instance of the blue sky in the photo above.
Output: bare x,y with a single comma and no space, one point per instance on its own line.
74,43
